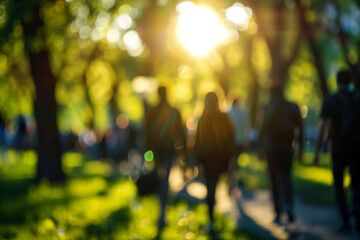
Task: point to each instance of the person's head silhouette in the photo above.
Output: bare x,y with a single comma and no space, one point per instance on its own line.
276,92
211,103
162,93
343,79
237,102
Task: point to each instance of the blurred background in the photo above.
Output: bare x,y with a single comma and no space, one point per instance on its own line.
76,78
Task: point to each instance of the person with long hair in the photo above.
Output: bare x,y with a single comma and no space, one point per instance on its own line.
213,146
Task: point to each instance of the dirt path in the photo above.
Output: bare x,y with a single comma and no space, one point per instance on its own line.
254,212
312,222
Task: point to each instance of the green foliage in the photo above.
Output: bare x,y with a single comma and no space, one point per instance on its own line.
99,204
301,84
94,65
93,206
13,12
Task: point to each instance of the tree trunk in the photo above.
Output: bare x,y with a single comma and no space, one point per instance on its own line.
48,146
90,122
343,39
318,64
310,37
253,83
273,29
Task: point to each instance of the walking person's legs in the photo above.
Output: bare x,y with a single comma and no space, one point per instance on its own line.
338,168
163,173
286,166
210,198
275,179
354,166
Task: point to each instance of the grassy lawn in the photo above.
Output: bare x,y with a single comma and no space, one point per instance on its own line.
94,203
313,184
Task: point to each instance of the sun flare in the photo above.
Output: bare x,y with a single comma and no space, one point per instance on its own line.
199,28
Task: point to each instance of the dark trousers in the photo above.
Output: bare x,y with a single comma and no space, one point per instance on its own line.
341,159
210,197
164,167
214,166
279,166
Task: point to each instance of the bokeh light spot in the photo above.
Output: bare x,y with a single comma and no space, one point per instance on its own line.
107,4
113,35
85,32
238,14
124,21
149,156
197,190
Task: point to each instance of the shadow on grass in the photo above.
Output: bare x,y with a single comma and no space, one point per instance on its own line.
105,229
314,193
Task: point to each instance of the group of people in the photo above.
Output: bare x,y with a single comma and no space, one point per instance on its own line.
221,137
213,149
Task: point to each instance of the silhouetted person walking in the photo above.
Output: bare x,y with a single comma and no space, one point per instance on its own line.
338,116
281,121
239,121
21,135
164,136
356,164
213,146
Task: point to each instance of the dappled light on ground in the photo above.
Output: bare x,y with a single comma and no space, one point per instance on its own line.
224,203
197,190
100,203
176,179
256,212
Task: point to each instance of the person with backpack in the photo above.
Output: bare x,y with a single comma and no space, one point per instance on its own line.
282,120
338,117
165,136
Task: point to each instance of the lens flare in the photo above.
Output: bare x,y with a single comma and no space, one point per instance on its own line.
199,28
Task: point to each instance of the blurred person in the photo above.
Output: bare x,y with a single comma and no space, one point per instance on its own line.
2,139
338,117
239,121
282,119
121,139
126,135
71,141
122,136
213,146
21,134
356,163
102,145
165,136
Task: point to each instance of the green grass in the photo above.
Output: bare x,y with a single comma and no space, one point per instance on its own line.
96,203
93,203
314,184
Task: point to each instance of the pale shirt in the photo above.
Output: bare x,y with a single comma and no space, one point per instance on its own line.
238,120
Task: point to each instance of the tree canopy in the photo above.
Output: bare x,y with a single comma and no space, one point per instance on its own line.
104,57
